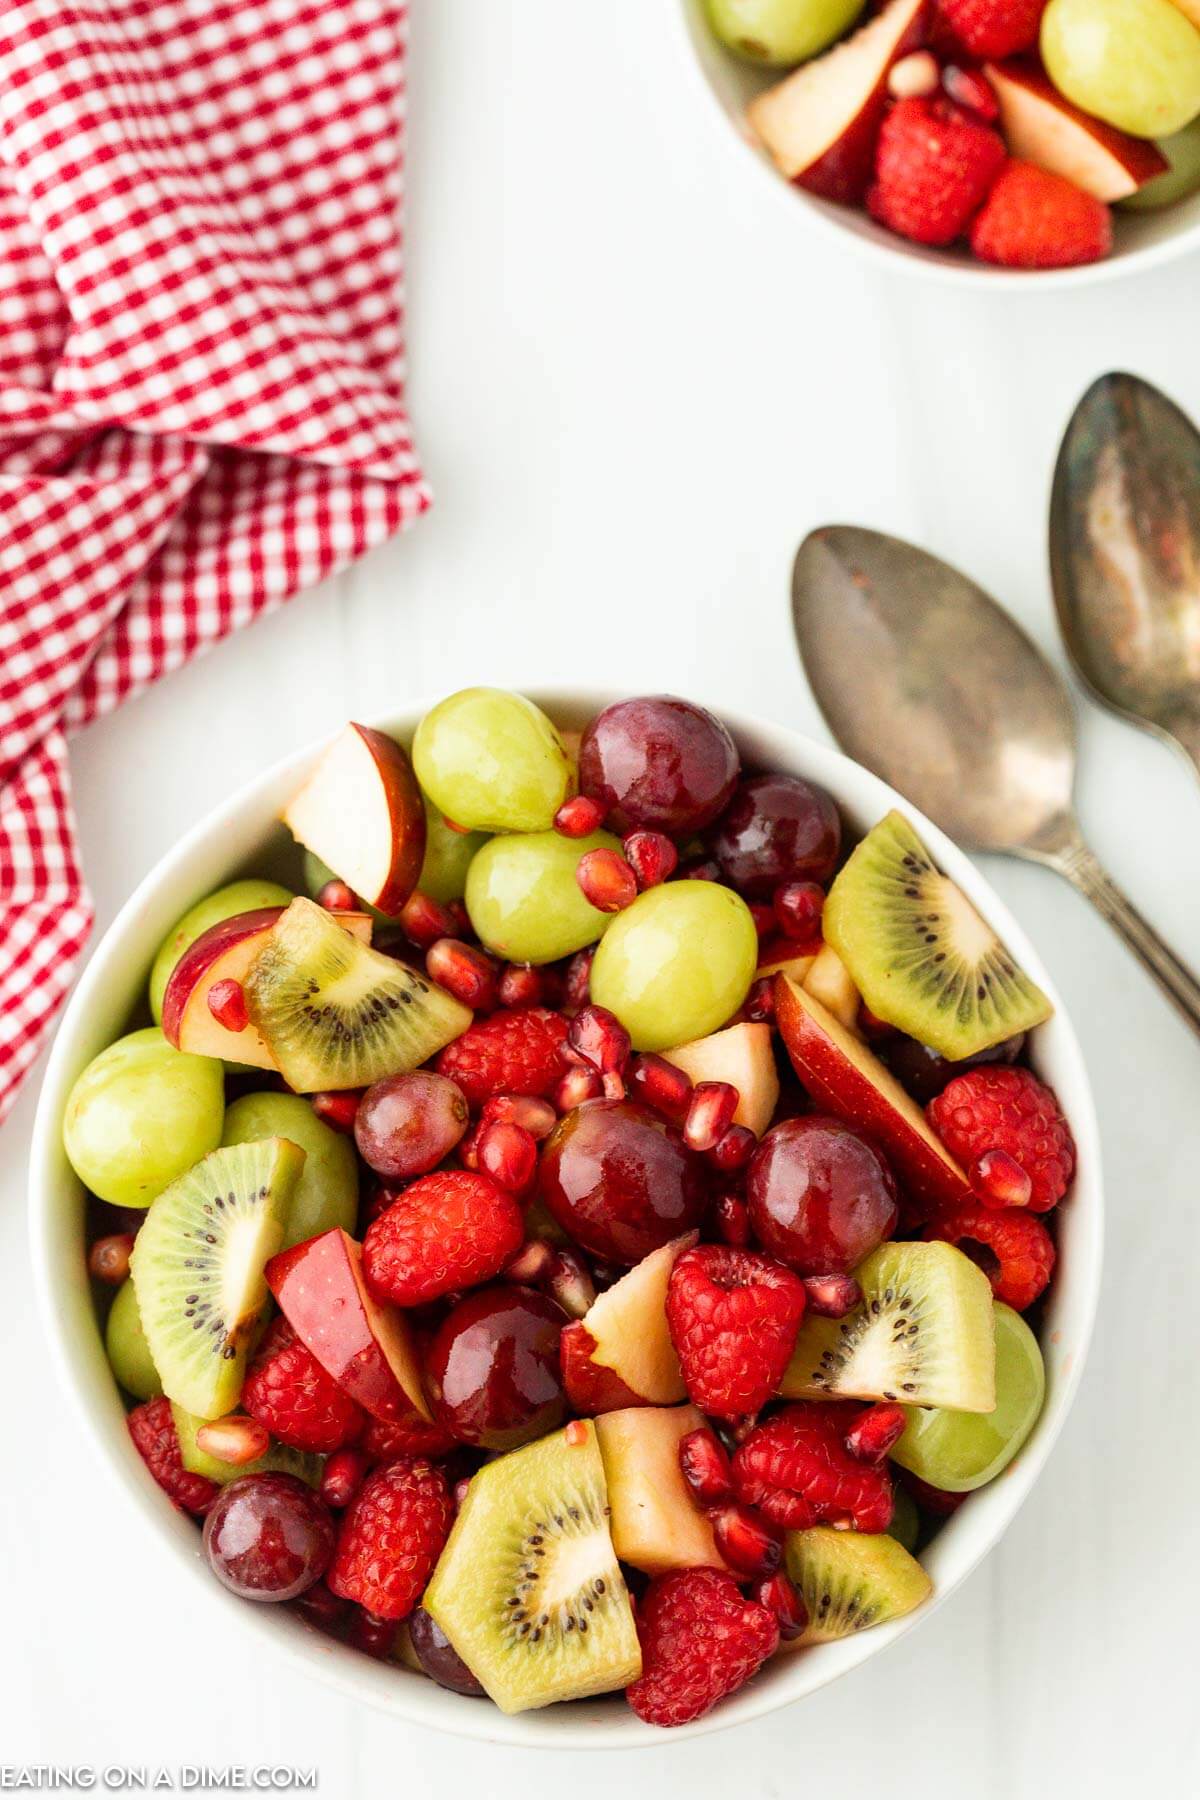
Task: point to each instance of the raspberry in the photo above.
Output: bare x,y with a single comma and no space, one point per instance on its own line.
289,1392
1013,1249
1033,219
508,1053
701,1641
733,1316
987,29
152,1429
449,1230
1010,1110
797,1469
392,1535
385,1439
933,168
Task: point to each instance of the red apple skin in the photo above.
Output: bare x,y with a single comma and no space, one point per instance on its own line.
407,812
199,957
321,1293
845,171
591,1388
1140,158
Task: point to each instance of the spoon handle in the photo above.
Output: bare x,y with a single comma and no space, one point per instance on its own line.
1081,868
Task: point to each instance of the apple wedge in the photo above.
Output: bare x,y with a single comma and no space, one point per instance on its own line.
783,956
743,1056
361,812
224,953
829,982
1041,126
820,123
847,1079
620,1353
367,1348
655,1523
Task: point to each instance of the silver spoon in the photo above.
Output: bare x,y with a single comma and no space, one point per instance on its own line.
1125,555
922,677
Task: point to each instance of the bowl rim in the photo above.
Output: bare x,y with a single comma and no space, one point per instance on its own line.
416,1701
897,254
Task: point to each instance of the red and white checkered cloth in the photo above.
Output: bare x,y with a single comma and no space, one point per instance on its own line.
200,376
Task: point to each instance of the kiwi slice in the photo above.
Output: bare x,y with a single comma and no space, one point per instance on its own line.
923,1334
528,1589
197,1268
338,1015
851,1580
921,956
278,1459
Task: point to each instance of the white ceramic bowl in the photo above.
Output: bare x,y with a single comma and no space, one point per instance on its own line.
1142,239
244,836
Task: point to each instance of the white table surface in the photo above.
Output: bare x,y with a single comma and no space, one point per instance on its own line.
635,389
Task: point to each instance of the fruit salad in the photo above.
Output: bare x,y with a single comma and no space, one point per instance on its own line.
591,1239
1011,126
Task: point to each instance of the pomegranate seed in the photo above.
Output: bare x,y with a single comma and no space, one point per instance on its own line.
335,896
598,1039
710,1113
570,1283
342,1477
798,909
576,1434
875,1431
509,1155
460,830
999,1180
521,985
531,1265
778,1594
234,1440
464,972
763,916
425,921
227,1004
733,1149
972,89
658,1083
375,1636
705,1467
578,982
468,1147
872,1026
651,855
321,1607
832,1296
377,1201
732,1220
108,1258
606,881
462,921
913,76
576,1086
338,1107
745,1540
537,1117
700,868
760,1002
578,818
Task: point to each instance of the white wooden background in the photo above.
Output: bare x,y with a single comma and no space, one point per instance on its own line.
635,389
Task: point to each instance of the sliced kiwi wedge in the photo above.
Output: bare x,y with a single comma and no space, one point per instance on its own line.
197,1268
852,1580
922,1335
338,1015
920,955
528,1589
278,1459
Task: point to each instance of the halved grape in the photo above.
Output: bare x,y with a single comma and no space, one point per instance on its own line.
128,1351
1133,63
326,1194
139,1115
524,900
676,964
781,32
491,761
239,896
960,1451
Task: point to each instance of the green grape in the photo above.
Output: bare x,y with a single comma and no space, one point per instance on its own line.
1182,151
491,761
327,1191
960,1451
781,32
128,1351
239,896
677,963
524,900
1133,63
141,1114
906,1520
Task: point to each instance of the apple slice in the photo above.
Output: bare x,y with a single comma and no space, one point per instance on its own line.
1041,126
655,1523
367,1348
741,1055
821,122
783,956
829,981
224,953
361,812
620,1353
847,1079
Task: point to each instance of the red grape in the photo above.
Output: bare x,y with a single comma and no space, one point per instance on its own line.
924,1072
621,1181
438,1657
776,828
407,1124
493,1368
658,764
268,1537
820,1196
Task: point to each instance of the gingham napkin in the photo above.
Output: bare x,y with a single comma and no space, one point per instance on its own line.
200,376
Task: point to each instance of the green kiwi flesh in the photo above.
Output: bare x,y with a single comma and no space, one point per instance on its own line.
197,1268
279,1459
920,955
923,1335
851,1580
336,1014
528,1589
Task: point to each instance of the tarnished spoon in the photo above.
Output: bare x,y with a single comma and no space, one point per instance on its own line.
925,680
1125,555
